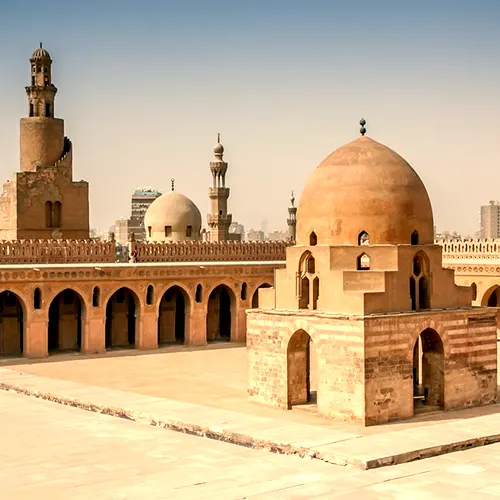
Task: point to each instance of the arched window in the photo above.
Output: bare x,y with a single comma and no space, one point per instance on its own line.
414,238
189,231
313,239
305,278
310,264
315,292
244,291
96,296
150,295
149,231
304,295
363,238
57,214
37,299
419,283
47,110
48,214
199,293
474,291
32,108
363,262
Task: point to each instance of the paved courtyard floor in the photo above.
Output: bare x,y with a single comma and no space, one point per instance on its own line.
214,376
56,452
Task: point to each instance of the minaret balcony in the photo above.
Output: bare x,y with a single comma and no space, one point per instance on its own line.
218,192
219,220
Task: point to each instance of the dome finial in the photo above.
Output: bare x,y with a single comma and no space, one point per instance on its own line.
41,45
362,122
218,148
172,180
292,199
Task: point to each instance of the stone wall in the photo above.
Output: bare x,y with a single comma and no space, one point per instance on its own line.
365,364
199,251
470,360
57,251
338,345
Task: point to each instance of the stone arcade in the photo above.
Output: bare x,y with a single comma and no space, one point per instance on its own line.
365,288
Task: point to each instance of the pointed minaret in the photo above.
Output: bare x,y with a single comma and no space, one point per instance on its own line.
218,220
292,219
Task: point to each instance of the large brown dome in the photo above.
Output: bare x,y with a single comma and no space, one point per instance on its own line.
364,186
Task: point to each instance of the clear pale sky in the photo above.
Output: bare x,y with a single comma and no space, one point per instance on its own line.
144,87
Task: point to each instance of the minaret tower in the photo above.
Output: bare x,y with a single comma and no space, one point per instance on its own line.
42,135
43,201
292,219
218,220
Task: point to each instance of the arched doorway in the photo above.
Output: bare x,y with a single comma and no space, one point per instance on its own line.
173,316
11,324
428,372
121,318
220,312
301,370
491,298
255,296
65,322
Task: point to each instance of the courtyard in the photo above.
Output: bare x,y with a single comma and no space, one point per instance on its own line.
212,376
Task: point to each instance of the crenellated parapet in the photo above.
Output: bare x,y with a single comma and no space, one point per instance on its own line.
57,251
201,251
470,250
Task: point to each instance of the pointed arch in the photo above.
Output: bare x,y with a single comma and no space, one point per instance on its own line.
150,295
96,297
313,239
243,293
57,216
174,312
221,314
414,238
363,262
299,380
428,371
37,298
198,297
48,215
122,318
255,297
363,238
66,319
474,291
12,323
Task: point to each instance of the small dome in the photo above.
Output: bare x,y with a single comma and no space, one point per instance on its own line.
218,149
172,217
364,187
40,53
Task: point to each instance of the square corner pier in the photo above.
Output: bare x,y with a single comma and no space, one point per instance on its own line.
373,369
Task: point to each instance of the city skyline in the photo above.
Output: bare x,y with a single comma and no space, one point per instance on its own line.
144,90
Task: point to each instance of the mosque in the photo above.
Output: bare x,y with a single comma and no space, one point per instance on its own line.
360,281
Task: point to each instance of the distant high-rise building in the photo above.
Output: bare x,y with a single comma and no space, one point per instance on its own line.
490,220
254,235
140,201
236,231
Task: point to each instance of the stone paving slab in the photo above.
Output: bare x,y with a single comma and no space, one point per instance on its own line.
329,445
